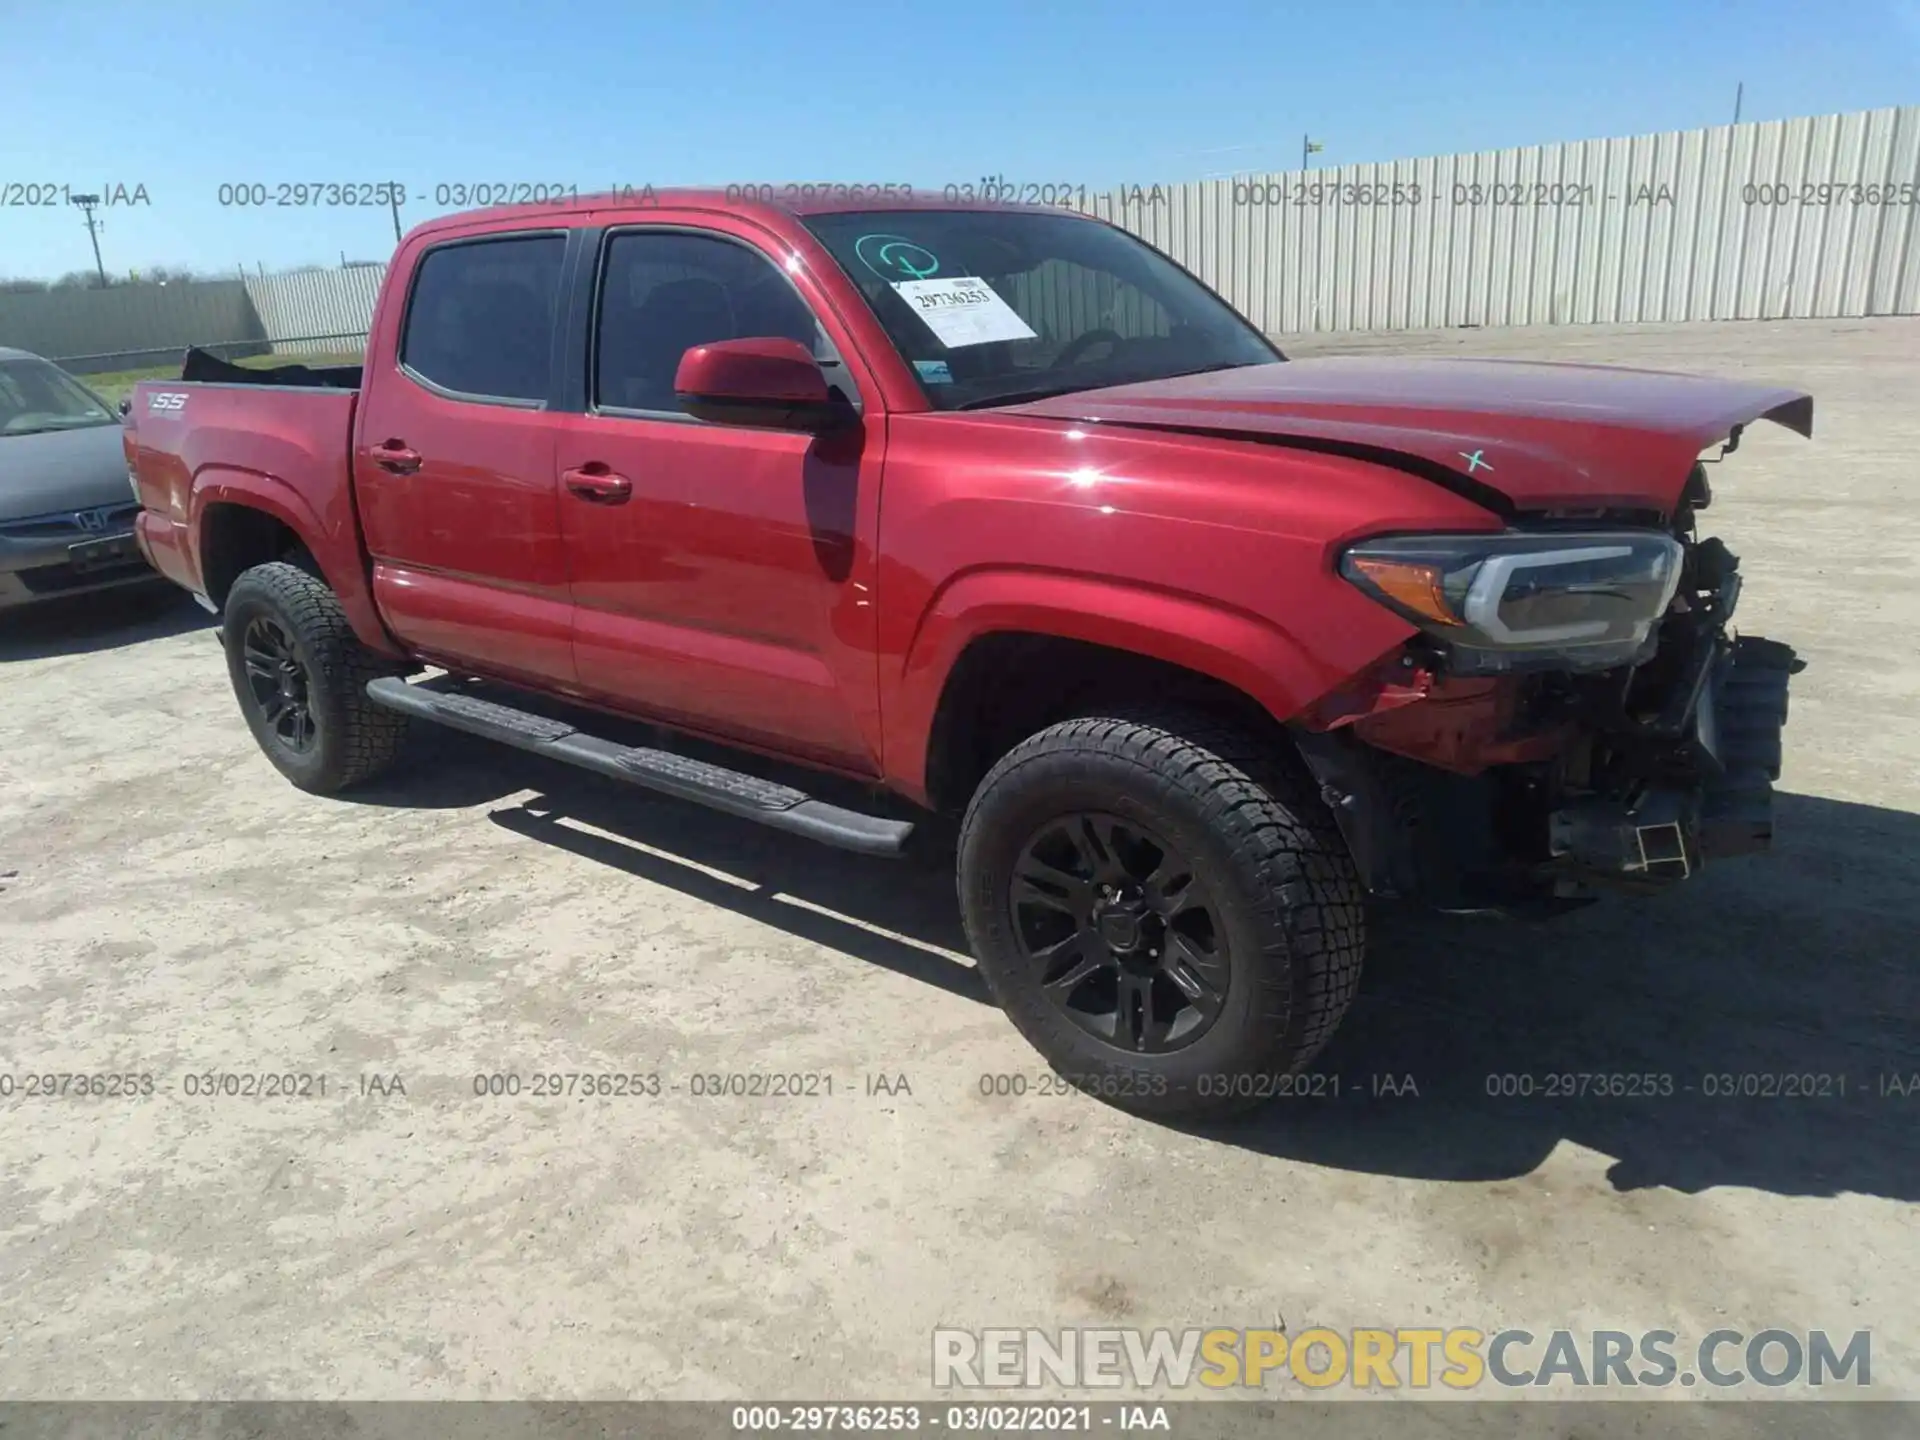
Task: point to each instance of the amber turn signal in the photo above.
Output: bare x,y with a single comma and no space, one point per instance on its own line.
1409,583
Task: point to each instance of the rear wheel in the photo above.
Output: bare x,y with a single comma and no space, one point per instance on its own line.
1163,906
300,674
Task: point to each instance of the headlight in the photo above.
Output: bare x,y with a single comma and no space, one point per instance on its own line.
1579,601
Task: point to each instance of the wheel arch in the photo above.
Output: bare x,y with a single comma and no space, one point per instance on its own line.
240,519
1006,653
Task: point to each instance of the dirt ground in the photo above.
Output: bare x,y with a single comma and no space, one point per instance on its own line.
170,908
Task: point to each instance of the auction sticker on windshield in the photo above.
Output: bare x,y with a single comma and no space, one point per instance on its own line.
963,310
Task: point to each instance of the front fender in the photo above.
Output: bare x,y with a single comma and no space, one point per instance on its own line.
1250,653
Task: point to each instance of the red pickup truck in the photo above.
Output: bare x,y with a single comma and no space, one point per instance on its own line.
1001,511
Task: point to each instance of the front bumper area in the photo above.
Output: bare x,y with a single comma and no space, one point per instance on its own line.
51,556
1538,791
1666,832
1594,795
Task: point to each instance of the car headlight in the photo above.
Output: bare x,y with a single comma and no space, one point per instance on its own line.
1563,600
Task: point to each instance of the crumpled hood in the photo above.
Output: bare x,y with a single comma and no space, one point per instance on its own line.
1520,435
62,470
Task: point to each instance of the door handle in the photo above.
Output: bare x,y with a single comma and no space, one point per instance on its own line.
395,456
595,482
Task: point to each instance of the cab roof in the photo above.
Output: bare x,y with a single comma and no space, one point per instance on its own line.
777,206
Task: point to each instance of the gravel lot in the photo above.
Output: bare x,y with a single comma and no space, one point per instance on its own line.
169,906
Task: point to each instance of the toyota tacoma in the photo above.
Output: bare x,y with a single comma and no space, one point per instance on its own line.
1002,513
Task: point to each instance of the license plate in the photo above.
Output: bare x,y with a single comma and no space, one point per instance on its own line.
104,554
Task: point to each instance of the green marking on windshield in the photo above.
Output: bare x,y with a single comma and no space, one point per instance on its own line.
896,258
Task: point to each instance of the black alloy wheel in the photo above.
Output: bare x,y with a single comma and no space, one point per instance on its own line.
1164,906
279,682
300,674
1124,935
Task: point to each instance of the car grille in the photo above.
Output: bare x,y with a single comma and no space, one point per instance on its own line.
54,579
74,524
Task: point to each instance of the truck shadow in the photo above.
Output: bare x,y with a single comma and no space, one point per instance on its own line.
100,620
898,914
1729,997
1771,1007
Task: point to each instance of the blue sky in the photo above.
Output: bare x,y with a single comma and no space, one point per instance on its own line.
182,98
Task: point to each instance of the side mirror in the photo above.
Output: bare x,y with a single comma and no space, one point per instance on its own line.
766,380
126,406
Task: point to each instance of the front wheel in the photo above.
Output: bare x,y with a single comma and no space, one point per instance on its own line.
300,674
1165,909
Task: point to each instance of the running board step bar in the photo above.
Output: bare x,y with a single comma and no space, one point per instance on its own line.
735,793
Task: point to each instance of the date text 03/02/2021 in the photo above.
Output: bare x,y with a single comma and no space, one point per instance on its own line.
477,194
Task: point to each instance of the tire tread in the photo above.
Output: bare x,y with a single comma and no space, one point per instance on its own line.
370,737
1254,794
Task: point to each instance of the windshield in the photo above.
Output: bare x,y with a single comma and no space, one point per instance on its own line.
37,396
996,307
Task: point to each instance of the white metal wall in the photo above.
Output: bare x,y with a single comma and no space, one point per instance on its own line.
1813,217
91,329
335,306
1655,227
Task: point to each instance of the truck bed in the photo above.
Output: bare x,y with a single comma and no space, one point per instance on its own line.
266,447
204,366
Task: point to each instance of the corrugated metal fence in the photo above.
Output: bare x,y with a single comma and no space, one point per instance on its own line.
127,318
330,305
1815,217
312,312
1809,218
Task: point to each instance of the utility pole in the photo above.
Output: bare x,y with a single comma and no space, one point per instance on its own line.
1308,147
87,204
1739,94
393,199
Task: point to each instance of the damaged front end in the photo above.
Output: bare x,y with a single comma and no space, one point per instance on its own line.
1574,716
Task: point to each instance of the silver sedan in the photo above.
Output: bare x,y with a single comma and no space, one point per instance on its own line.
66,512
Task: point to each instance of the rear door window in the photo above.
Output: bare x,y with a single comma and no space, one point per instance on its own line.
481,321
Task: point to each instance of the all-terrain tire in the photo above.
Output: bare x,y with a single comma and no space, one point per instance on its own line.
1259,838
352,739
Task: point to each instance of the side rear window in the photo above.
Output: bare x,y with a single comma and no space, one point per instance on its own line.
481,318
